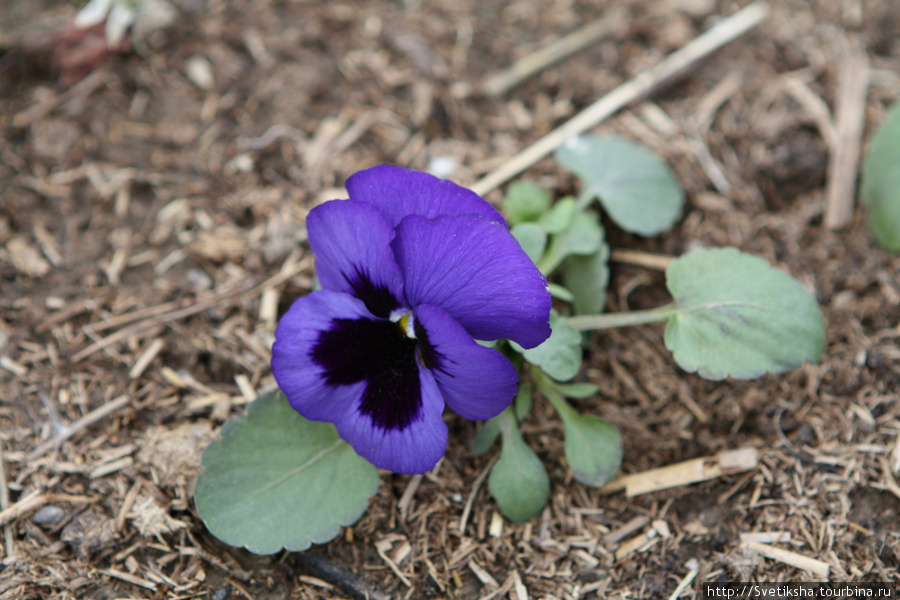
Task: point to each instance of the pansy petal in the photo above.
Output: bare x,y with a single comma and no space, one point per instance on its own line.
476,382
400,192
302,379
351,241
414,448
476,271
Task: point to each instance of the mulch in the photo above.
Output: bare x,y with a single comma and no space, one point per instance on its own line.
152,230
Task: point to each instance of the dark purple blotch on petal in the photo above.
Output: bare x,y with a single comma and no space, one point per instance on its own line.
380,354
377,298
431,358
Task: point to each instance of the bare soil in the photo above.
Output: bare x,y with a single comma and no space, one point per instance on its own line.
152,205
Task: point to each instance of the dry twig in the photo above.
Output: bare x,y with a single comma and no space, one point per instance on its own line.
641,85
843,160
532,64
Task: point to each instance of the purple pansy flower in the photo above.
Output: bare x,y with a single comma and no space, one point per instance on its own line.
413,270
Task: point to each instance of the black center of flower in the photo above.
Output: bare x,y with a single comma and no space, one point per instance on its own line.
377,298
379,353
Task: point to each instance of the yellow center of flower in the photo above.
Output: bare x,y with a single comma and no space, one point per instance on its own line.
404,319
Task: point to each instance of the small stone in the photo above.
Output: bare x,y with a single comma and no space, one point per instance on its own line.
220,594
48,516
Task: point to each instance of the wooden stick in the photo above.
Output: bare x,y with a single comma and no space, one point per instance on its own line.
685,473
637,258
816,567
641,85
528,66
843,160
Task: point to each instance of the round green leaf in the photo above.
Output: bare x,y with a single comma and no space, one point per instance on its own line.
881,182
274,480
593,448
560,354
525,201
518,482
532,238
635,186
737,316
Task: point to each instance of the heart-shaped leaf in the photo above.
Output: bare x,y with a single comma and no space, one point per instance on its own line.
881,182
518,482
636,188
737,316
274,480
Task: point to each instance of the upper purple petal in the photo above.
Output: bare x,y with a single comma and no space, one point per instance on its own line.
352,244
415,448
476,382
299,376
476,271
401,192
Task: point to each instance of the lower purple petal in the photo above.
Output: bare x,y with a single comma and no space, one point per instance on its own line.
415,448
299,376
476,382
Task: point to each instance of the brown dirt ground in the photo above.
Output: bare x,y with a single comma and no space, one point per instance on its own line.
165,219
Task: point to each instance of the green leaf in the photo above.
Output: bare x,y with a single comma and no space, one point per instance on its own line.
518,482
587,277
593,446
525,201
560,354
881,182
274,480
635,186
532,238
559,217
737,316
584,235
486,436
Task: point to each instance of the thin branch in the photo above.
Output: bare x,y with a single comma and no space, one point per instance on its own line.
526,67
850,117
672,66
350,583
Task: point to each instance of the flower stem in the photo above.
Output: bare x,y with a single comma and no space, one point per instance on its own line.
624,319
